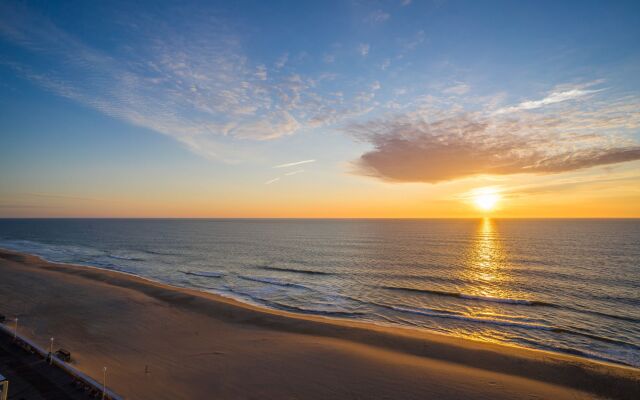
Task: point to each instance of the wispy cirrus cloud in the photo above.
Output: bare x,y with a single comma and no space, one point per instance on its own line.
294,164
282,61
553,98
271,181
290,173
191,81
431,145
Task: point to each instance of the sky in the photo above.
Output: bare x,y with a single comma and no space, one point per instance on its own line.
308,109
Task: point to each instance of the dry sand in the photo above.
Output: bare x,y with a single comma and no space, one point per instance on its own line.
202,346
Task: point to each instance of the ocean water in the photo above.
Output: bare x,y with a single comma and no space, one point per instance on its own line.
569,286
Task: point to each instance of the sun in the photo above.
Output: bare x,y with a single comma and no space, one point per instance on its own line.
486,199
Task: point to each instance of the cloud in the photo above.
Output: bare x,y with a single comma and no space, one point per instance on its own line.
182,88
290,173
282,61
261,72
193,81
363,49
553,98
405,3
270,181
293,164
425,146
278,125
459,89
190,80
377,16
410,44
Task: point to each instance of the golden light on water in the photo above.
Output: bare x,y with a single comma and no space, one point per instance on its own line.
487,257
486,265
487,272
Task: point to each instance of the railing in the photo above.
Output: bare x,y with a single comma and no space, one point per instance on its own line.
75,373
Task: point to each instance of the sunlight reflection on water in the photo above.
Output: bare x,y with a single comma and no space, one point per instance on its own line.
538,283
486,267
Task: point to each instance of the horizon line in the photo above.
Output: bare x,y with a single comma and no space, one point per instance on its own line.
321,218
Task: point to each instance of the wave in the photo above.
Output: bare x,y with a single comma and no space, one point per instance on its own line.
595,337
388,276
570,350
634,301
512,301
557,276
470,297
290,308
437,313
273,281
50,250
506,300
162,253
517,318
603,314
295,271
532,261
295,309
204,274
125,258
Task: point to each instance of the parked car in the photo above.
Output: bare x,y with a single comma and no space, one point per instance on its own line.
64,355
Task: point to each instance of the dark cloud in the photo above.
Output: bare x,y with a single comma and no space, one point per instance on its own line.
414,150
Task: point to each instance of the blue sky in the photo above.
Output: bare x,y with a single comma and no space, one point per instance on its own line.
174,95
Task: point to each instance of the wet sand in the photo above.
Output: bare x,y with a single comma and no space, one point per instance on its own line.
162,342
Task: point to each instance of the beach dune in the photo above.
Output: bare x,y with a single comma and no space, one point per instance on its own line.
162,342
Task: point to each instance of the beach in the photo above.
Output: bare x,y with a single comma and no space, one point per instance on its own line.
162,342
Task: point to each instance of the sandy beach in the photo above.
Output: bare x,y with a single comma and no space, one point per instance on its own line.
162,342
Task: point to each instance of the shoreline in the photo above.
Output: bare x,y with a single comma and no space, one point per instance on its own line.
565,372
249,302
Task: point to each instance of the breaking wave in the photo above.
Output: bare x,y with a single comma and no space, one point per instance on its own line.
471,297
295,271
204,274
273,281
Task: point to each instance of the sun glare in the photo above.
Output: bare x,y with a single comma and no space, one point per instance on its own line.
486,199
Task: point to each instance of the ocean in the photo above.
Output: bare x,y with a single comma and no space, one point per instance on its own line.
569,286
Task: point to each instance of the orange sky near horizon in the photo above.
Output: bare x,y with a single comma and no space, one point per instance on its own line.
614,195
